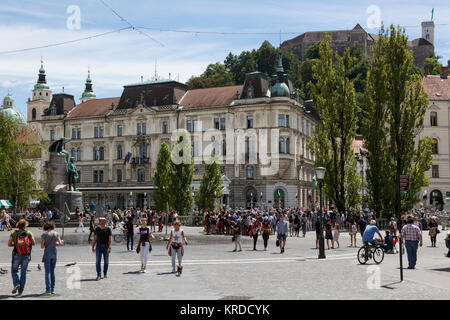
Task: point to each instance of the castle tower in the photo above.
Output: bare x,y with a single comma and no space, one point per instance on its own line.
428,31
41,97
88,93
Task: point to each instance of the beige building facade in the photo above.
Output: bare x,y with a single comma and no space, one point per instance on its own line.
258,130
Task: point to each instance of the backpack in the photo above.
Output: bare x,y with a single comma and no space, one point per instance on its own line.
23,244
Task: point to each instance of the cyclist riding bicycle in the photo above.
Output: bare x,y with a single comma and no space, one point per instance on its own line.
369,233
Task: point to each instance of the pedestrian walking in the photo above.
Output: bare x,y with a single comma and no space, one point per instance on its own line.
336,233
129,231
304,223
22,241
266,231
411,238
329,234
318,231
91,227
352,231
143,244
433,228
80,220
297,225
237,227
101,246
254,232
175,246
49,241
282,230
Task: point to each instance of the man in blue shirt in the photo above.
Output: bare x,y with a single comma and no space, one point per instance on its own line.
362,223
369,233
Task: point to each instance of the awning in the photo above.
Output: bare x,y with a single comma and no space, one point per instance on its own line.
5,204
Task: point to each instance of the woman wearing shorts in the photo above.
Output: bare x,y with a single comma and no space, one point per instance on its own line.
352,231
175,243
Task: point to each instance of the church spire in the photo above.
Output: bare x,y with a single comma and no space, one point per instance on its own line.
88,92
42,81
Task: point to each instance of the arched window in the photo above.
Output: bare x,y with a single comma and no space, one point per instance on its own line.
288,145
33,114
281,146
435,148
433,119
95,153
250,172
119,152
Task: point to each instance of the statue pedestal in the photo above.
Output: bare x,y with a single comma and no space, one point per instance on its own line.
56,185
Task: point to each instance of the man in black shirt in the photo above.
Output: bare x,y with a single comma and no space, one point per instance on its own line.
102,246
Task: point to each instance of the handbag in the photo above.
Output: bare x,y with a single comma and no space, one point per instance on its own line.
234,238
138,249
277,243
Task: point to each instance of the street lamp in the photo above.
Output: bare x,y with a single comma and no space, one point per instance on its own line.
261,201
131,199
145,200
251,201
320,174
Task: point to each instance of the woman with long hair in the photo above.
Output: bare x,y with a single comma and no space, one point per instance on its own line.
49,240
175,246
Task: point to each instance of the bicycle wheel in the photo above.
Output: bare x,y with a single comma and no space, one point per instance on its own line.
118,238
378,255
362,256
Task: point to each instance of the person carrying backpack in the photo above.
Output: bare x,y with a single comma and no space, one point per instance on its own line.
22,241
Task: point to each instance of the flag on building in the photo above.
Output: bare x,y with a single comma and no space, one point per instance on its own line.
314,182
127,158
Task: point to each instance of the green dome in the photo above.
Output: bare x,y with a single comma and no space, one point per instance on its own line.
11,113
41,86
280,89
88,94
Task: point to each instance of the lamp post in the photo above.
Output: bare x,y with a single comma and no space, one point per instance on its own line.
131,199
251,201
320,174
145,200
261,201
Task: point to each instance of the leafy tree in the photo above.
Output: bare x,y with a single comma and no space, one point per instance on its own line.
396,104
162,178
182,174
433,65
17,183
216,75
211,183
334,97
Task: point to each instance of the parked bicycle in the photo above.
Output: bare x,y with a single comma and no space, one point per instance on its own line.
368,251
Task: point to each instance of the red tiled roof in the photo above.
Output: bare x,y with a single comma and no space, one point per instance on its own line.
436,87
210,97
94,107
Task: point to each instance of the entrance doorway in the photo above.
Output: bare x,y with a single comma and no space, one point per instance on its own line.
278,197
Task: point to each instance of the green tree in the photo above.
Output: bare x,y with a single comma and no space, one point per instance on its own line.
162,178
334,97
397,104
210,187
182,174
216,75
433,65
17,183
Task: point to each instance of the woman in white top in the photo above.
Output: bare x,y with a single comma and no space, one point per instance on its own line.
176,246
336,233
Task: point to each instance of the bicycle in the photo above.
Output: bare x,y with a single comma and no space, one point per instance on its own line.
368,251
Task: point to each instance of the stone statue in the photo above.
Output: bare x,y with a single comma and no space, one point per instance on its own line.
72,175
58,147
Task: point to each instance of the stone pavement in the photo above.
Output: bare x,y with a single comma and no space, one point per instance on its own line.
213,271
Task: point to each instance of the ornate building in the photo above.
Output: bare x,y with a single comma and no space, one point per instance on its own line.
260,132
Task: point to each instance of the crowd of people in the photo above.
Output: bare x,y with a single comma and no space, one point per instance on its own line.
281,223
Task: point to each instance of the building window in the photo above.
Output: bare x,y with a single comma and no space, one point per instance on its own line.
287,121
99,153
433,119
249,122
95,176
73,153
250,172
222,124
144,129
119,175
224,147
95,154
78,158
288,145
98,132
143,150
141,175
95,132
52,135
119,152
119,130
281,122
435,149
101,132
78,133
191,125
141,129
435,171
74,133
138,130
217,123
33,114
165,127
281,146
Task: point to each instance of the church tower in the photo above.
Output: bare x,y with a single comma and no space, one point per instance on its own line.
428,31
88,93
41,97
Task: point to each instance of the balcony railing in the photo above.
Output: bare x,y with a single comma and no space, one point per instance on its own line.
140,160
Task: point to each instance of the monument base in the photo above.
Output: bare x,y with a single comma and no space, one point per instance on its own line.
73,199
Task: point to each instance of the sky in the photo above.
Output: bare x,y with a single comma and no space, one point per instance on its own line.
121,58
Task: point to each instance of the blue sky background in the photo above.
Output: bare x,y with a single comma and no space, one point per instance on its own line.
121,58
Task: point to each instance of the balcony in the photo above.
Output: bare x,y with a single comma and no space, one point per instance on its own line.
140,160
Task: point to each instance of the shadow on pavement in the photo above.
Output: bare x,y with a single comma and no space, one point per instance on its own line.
164,273
132,272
